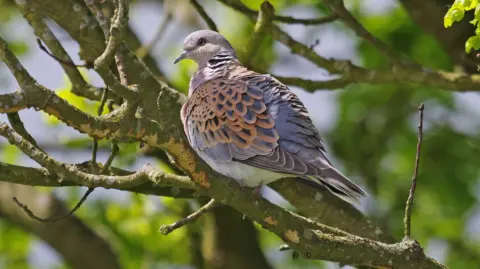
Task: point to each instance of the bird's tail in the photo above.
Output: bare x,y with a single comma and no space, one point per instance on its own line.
339,185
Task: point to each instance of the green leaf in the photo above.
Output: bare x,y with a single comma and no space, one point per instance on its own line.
448,19
477,32
477,12
458,14
472,42
467,4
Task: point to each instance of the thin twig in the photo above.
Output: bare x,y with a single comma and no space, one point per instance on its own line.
65,62
283,19
99,112
19,127
166,229
51,218
408,207
338,7
103,101
296,47
201,11
95,143
316,43
115,150
94,151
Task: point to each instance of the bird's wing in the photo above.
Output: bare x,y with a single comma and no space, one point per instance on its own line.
298,140
239,119
228,120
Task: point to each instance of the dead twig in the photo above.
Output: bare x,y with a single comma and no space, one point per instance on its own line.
411,196
52,219
166,229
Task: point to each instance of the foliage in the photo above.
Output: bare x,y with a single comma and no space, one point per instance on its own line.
456,13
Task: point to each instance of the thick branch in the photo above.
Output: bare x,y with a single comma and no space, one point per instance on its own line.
46,100
326,208
160,184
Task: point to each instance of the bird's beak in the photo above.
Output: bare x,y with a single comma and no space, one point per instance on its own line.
181,57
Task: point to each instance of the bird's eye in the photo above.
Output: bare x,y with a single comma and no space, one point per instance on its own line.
201,41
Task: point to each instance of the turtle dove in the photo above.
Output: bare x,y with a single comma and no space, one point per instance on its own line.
250,126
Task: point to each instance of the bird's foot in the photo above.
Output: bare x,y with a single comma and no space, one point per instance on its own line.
256,191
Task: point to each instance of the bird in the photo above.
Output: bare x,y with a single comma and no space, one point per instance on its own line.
249,126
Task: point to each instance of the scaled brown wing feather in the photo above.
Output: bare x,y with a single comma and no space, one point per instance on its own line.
228,121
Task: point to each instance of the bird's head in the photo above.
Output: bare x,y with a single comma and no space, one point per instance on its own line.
202,45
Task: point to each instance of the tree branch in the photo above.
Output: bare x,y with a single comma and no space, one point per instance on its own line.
17,125
201,11
30,213
166,229
409,205
70,171
161,184
355,74
338,7
284,19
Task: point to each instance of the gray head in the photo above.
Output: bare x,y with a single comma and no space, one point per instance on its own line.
202,45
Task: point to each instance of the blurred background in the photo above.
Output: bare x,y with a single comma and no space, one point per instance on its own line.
370,133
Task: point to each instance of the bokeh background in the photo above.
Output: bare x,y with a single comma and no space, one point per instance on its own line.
370,132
